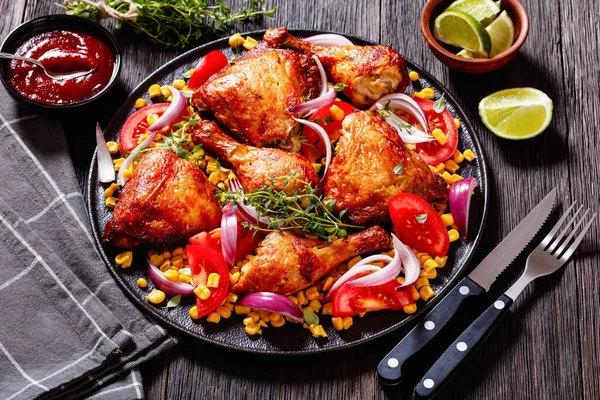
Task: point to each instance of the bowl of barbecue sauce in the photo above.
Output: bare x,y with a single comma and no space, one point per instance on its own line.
64,44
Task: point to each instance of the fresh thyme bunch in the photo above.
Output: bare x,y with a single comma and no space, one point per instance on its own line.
305,209
171,23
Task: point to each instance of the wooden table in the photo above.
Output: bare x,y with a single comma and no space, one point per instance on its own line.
548,346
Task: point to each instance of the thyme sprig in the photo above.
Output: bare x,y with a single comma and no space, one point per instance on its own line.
305,209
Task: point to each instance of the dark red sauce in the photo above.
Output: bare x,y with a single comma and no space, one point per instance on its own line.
62,51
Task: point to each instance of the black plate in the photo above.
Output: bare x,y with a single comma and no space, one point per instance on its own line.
289,339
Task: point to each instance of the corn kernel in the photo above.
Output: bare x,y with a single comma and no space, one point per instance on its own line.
337,113
469,155
441,261
254,315
347,321
156,259
415,293
156,296
154,91
428,93
113,147
447,177
294,299
167,255
410,309
328,284
185,278
213,317
166,91
413,75
264,315
234,278
327,309
424,257
231,297
140,103
311,293
213,280
275,317
172,275
179,84
453,235
457,123
111,202
421,282
417,94
128,173
337,322
177,261
247,321
141,282
202,292
165,266
223,311
447,219
235,40
451,166
426,293
440,168
353,261
315,305
429,265
302,300
429,275
177,252
249,43
252,329
279,323
150,119
152,252
400,280
411,146
193,311
316,167
457,156
229,306
440,136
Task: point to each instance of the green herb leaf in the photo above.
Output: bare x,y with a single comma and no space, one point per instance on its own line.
439,105
399,169
327,119
197,149
338,87
310,317
187,93
186,74
421,218
173,302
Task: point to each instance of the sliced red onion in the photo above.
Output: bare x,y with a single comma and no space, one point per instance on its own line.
273,302
106,169
408,134
324,85
324,138
321,101
329,39
132,156
229,234
248,212
460,202
351,273
175,110
401,101
170,288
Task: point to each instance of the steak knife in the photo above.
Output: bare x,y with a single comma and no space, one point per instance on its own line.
475,284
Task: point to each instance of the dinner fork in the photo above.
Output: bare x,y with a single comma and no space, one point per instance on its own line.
552,253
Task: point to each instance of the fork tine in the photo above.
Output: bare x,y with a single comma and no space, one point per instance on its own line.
556,227
573,232
571,249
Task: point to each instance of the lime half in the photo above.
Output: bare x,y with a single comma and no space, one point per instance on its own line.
502,34
461,30
484,11
519,113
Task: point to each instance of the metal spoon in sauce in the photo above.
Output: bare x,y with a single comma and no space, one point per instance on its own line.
59,76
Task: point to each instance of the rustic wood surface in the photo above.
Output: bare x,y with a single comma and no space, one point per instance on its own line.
548,346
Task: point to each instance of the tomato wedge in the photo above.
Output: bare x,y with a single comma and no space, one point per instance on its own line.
433,152
212,63
204,261
313,148
418,225
246,241
351,300
137,124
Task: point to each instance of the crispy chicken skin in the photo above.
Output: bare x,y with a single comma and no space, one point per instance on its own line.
284,265
368,72
256,166
250,97
361,177
166,201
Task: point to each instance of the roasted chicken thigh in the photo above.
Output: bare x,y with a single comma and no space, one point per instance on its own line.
256,166
250,97
283,264
368,72
166,201
362,176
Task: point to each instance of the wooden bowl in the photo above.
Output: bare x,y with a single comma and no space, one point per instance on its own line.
516,11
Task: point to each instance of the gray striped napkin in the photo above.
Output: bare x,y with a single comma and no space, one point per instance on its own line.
66,330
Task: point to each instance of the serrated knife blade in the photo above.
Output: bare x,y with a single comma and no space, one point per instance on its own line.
513,244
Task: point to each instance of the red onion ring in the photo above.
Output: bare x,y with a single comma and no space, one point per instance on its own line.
329,39
409,135
273,302
324,138
175,110
229,234
106,169
170,288
120,178
248,212
460,202
324,85
405,103
321,101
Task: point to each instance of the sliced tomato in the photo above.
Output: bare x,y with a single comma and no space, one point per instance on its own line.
313,147
418,225
137,124
203,262
246,241
433,152
351,300
212,63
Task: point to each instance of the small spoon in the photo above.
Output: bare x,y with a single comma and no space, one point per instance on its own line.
59,76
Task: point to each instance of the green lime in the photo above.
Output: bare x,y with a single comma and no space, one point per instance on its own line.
502,34
519,113
461,30
484,11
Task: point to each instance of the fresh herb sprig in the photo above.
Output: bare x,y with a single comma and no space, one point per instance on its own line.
305,209
173,23
179,139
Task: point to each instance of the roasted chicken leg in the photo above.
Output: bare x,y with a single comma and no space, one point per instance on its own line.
166,201
362,176
255,166
283,264
250,97
368,72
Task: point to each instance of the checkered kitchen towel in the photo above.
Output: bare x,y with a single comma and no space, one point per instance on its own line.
66,330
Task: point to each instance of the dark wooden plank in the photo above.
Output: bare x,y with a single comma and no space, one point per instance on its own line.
11,15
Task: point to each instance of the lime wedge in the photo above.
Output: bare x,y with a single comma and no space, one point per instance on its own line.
465,54
484,11
461,30
502,34
519,113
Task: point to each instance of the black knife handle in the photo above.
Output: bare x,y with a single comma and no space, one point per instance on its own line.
389,369
462,348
